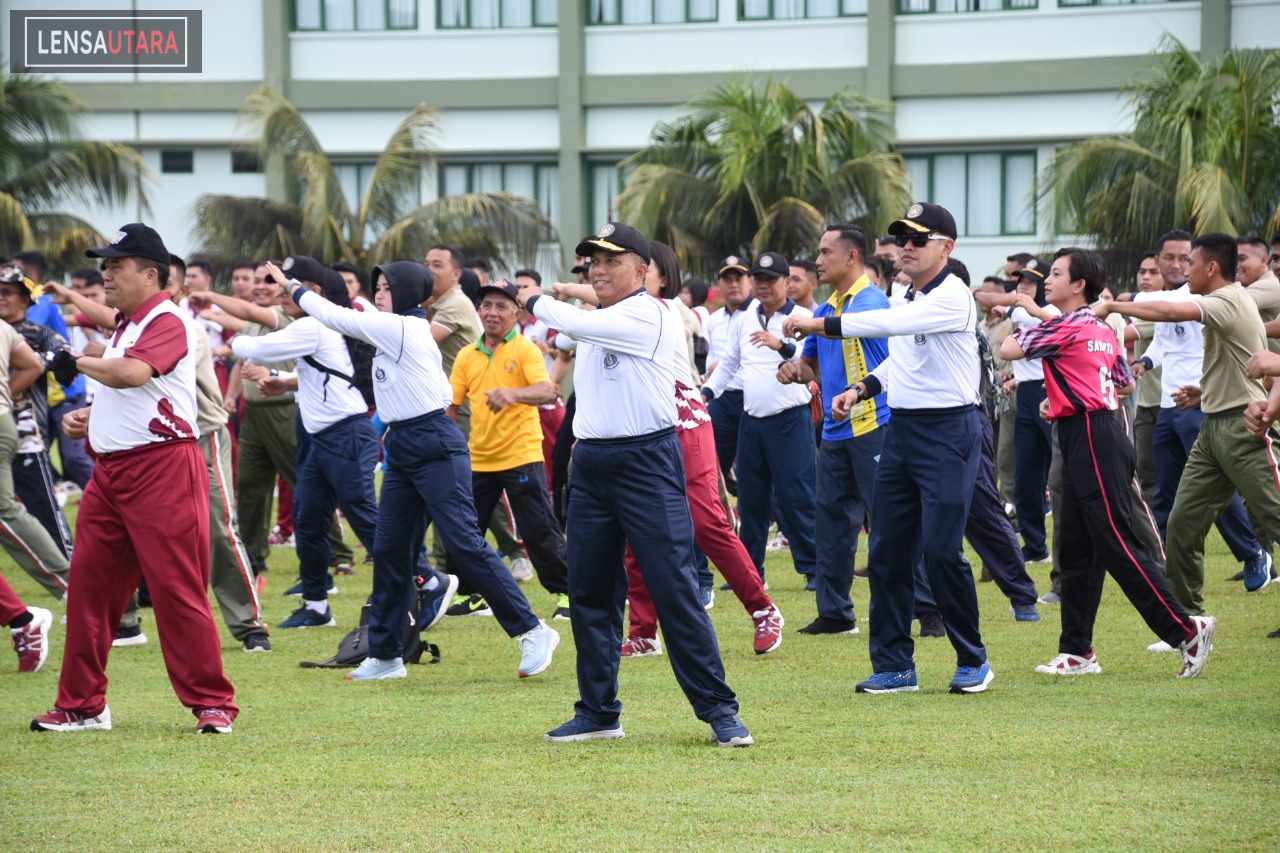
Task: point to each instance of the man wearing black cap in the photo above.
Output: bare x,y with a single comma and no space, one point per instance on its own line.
776,456
726,409
628,486
929,466
337,471
146,509
505,378
428,476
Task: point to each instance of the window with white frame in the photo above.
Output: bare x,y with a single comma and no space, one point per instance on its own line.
990,193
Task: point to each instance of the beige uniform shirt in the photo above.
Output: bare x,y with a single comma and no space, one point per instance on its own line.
1232,334
9,338
211,415
1266,293
455,312
1148,394
249,390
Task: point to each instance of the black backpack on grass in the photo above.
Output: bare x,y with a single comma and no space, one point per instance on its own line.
354,647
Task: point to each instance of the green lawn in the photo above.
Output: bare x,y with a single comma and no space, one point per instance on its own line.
453,758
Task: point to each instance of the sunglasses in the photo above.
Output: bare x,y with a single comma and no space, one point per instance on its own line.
918,240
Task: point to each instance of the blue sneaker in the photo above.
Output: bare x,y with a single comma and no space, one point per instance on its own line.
729,731
433,602
536,647
1257,571
810,585
902,681
1024,612
580,728
296,589
972,679
708,597
304,617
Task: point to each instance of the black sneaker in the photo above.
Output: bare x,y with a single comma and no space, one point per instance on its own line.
1237,577
931,625
129,636
296,589
823,625
469,605
257,643
1274,635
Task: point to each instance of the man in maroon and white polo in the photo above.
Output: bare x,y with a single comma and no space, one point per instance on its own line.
146,509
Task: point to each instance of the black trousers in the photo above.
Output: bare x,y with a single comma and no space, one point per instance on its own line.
1097,533
33,484
560,458
526,488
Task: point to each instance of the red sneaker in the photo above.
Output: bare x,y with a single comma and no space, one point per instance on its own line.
768,629
211,721
69,721
1195,650
31,641
638,647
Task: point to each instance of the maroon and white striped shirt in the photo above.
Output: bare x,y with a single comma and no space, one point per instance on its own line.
1083,363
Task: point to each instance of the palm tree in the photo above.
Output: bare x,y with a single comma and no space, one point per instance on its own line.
1204,155
44,165
751,168
386,224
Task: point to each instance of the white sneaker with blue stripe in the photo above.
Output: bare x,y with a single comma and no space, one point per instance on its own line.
536,647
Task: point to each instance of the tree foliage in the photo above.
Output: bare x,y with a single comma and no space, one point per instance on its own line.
44,165
753,167
385,223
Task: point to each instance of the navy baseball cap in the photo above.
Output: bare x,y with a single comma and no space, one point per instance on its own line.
771,264
1035,270
305,268
134,240
731,264
615,238
924,218
502,286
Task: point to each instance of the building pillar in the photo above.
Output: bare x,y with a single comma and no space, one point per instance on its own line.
275,73
572,54
880,49
1215,28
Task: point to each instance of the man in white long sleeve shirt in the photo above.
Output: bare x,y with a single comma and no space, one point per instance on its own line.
628,486
776,454
338,469
929,465
428,476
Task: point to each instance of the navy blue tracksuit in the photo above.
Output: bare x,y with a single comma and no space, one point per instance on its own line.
1032,454
726,415
846,492
428,479
336,472
632,490
924,488
990,532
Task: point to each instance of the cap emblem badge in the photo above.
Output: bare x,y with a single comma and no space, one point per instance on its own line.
766,261
915,210
732,261
606,230
287,265
119,235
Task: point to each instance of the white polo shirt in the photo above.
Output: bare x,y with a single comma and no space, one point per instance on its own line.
933,345
408,376
164,408
756,368
719,331
323,399
1028,369
1176,348
627,362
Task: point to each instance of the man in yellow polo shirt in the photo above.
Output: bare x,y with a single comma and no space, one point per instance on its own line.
505,378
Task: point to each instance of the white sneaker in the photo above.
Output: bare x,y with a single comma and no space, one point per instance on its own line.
1065,664
778,543
1161,646
536,647
1195,651
70,721
371,669
522,569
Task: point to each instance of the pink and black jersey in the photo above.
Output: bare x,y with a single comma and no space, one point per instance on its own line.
1083,364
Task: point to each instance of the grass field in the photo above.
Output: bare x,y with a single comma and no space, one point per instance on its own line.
453,758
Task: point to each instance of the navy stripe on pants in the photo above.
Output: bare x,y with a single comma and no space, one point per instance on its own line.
337,471
990,532
776,457
632,491
846,489
428,478
924,486
1171,441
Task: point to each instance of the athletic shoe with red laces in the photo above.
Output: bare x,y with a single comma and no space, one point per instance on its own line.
768,629
213,721
1065,664
31,641
638,647
1195,650
58,720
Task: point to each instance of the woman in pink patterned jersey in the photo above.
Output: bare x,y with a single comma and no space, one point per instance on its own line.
1084,368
